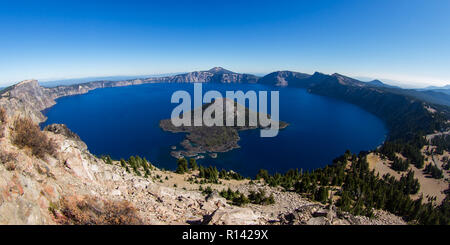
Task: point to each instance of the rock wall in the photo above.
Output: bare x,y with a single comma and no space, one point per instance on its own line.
26,98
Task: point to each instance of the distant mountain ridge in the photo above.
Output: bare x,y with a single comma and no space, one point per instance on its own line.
297,79
435,87
434,95
216,74
379,83
285,78
72,81
444,89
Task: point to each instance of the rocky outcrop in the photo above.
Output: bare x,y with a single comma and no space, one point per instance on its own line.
317,214
234,216
26,98
63,130
29,99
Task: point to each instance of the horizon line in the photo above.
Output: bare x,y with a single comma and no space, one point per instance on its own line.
403,83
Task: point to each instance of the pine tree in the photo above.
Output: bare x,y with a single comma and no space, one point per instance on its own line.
193,164
182,166
123,163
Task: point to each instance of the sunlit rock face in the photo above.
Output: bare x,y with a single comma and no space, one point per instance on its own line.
26,98
216,74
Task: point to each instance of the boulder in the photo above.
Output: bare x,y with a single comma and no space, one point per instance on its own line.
63,130
232,216
317,221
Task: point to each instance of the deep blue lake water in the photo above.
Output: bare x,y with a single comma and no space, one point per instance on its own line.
123,121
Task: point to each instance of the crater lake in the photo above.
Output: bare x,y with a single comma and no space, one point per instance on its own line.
124,121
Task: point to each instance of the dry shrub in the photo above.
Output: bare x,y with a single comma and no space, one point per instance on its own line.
6,157
3,115
3,119
92,211
28,134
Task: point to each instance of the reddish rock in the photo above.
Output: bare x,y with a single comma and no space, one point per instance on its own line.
15,186
49,191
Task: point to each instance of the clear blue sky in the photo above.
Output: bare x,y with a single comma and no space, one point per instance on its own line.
402,40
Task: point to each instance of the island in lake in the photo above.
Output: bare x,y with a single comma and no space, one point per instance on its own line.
211,140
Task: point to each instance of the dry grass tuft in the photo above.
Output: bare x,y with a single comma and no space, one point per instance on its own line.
88,210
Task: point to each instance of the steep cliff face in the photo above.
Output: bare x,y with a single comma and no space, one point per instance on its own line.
216,74
302,80
26,98
61,91
29,99
284,78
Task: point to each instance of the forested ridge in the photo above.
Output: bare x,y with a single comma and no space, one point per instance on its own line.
404,116
353,187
